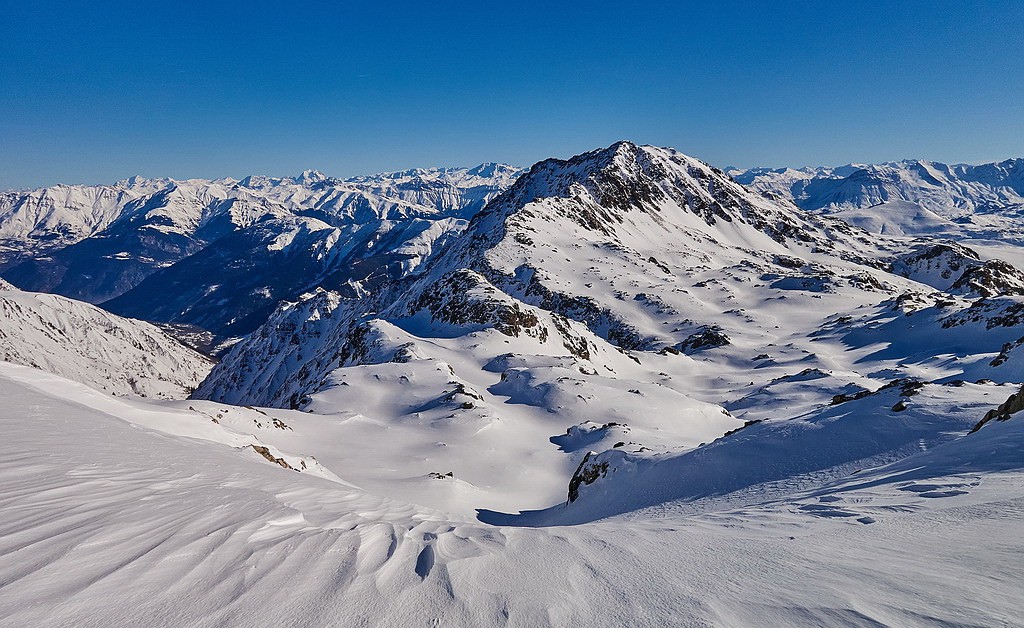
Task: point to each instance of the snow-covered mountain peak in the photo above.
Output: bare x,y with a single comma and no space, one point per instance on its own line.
486,174
602,176
310,177
494,169
647,186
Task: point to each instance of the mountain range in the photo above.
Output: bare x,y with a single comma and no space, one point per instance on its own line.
689,395
99,243
911,197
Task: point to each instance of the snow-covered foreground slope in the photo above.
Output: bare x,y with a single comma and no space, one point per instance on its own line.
80,341
118,525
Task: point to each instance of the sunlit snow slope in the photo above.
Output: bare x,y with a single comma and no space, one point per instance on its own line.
124,524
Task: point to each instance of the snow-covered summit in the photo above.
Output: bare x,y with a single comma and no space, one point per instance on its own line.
310,177
605,183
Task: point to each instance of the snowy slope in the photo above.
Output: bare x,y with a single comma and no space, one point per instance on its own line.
899,420
120,523
84,343
898,218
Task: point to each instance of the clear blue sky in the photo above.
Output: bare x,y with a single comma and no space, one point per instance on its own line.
97,91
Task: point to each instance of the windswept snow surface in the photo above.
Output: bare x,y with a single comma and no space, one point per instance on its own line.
125,522
626,391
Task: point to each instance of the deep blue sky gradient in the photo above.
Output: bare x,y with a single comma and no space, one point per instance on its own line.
97,91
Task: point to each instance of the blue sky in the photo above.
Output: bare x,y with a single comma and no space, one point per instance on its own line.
93,92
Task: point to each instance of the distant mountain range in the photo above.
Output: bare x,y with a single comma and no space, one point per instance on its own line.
910,197
222,254
275,238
